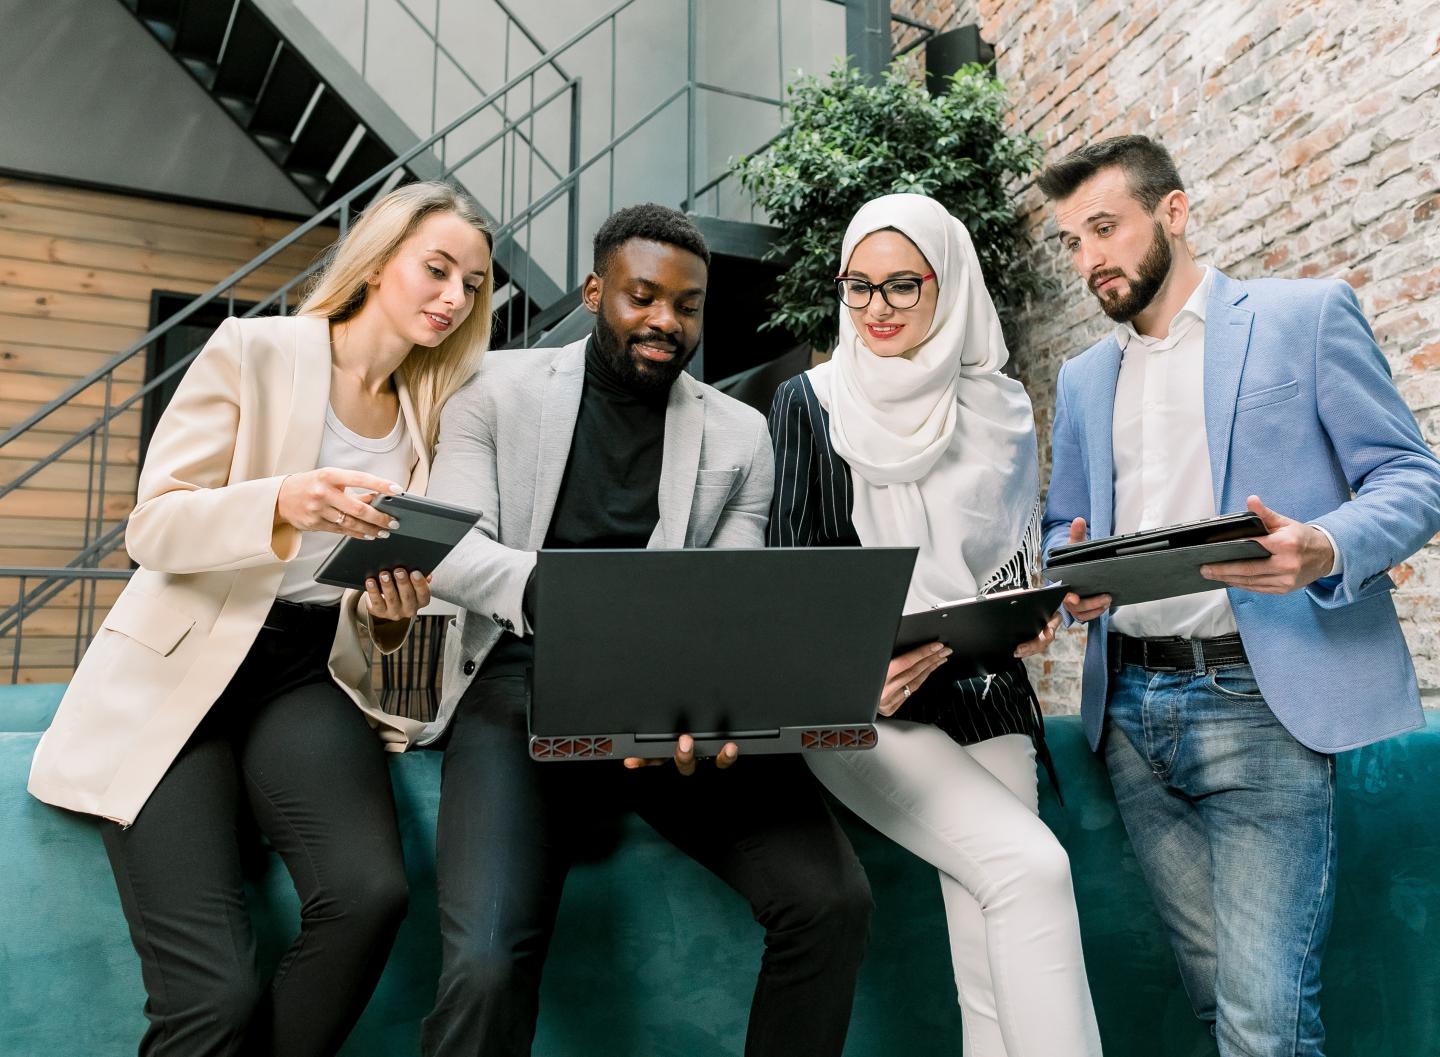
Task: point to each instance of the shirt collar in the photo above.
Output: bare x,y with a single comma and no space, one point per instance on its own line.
1192,310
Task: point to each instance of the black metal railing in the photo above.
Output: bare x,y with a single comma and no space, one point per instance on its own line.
449,151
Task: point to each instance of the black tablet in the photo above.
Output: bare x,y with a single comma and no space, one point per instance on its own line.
1224,529
429,530
1160,563
982,631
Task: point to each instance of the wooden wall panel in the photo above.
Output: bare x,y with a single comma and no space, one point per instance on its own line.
77,271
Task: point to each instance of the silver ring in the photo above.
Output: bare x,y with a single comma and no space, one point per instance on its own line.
907,690
340,520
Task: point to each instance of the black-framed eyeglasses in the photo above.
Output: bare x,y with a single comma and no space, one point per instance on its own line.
900,292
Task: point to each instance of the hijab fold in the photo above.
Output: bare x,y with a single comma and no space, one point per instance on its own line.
941,445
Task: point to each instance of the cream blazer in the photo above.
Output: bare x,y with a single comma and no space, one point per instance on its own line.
249,411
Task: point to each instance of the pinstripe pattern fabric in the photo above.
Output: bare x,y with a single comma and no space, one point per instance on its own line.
813,496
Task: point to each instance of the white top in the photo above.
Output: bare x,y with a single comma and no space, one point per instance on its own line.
1162,459
391,456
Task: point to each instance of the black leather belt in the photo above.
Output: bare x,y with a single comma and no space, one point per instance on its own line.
1174,654
302,618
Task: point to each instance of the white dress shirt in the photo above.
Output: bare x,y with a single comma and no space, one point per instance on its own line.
1162,459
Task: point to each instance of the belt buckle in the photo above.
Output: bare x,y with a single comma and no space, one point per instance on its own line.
1145,659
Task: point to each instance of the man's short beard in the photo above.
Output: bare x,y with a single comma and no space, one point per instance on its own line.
1150,275
652,379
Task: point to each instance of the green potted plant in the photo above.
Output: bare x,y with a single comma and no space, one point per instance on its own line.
850,141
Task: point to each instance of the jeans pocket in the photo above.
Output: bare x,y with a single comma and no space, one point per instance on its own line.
1234,684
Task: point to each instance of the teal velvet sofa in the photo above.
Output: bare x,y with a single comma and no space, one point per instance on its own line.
655,957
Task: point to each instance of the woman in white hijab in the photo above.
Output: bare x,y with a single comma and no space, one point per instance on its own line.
911,436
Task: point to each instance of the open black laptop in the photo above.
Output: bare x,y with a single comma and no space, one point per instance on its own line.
778,650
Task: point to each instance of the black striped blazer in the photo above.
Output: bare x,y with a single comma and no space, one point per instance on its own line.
814,496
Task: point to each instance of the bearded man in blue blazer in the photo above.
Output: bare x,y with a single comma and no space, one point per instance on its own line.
1219,713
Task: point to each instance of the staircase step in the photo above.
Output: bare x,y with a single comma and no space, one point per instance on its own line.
240,109
313,186
287,93
274,146
327,130
368,158
201,31
161,10
164,32
248,55
203,70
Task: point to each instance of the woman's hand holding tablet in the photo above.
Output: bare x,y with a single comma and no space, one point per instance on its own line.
397,594
423,532
317,501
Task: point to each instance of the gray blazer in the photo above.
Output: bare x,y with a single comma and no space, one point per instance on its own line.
504,442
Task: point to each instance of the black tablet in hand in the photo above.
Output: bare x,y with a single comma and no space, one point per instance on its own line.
1158,563
982,631
429,530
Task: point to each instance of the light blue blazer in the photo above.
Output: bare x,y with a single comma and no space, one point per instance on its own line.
1300,410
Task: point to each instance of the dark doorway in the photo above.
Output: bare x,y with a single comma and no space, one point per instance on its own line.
179,342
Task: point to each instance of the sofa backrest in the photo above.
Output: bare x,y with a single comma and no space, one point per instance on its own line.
654,955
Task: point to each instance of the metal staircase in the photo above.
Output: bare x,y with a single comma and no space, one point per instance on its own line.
342,145
318,119
271,90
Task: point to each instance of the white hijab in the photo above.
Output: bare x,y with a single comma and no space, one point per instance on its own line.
941,445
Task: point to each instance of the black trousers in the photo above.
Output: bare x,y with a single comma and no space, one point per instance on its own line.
286,745
509,829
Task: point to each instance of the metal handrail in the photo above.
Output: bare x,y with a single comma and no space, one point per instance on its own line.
56,578
534,40
926,32
441,49
64,572
549,197
102,538
97,551
408,679
335,209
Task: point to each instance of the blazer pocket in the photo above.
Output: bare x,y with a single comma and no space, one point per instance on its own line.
1273,394
149,622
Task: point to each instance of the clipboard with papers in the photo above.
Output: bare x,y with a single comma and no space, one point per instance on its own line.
983,631
1159,563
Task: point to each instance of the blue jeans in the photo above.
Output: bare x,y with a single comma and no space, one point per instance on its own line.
1233,822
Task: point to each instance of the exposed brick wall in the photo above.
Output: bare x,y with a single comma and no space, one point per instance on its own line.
1308,133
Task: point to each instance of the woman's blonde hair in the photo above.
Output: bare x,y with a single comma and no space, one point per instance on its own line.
339,289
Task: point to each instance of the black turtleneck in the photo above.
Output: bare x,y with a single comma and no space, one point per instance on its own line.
610,494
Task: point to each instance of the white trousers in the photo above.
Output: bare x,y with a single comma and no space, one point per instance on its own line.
972,813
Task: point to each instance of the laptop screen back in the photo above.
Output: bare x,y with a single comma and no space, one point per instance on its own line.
652,642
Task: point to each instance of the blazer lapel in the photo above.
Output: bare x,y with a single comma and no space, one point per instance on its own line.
1227,340
309,395
559,409
420,476
684,431
1099,405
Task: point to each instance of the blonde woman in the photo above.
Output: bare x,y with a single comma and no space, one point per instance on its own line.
226,680
911,436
